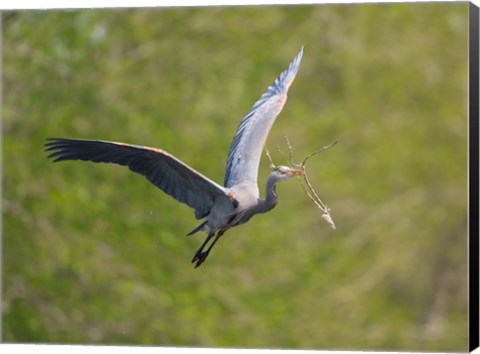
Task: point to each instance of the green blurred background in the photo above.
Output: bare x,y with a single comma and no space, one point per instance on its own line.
93,253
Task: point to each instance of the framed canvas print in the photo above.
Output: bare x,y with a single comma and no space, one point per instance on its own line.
321,158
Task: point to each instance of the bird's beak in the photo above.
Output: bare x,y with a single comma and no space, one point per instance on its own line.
297,172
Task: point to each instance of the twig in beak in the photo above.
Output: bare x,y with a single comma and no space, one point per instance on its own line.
316,152
272,165
316,199
307,186
290,153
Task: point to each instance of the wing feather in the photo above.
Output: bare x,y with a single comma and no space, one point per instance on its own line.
161,168
249,140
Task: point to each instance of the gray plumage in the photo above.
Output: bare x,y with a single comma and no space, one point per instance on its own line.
222,207
249,140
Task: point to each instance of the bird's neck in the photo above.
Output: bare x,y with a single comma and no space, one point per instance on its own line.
270,200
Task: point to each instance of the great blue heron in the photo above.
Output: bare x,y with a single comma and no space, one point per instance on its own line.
222,207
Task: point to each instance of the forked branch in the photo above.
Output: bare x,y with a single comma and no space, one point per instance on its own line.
307,186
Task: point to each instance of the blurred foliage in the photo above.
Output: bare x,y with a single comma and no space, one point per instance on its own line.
95,254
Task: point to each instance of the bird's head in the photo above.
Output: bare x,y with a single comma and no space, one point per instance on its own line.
283,172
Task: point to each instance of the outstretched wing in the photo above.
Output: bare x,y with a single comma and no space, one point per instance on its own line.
247,145
162,169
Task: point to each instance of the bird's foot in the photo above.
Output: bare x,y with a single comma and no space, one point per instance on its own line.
200,257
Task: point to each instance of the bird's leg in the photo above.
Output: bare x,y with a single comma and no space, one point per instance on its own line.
201,255
199,252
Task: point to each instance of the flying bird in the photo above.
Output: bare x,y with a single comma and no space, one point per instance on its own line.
221,207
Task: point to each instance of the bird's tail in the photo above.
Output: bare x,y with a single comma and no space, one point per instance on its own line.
198,228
